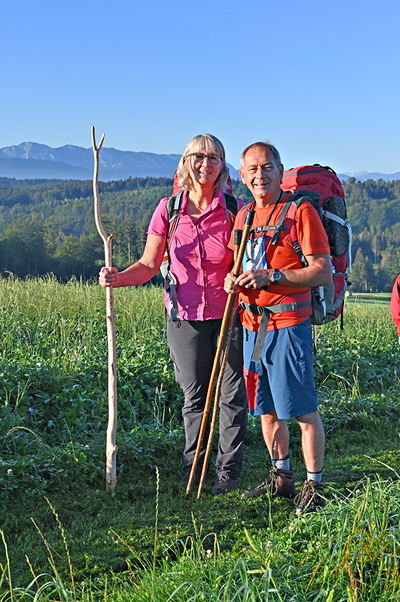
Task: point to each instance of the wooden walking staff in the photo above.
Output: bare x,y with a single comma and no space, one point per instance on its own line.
225,343
111,446
222,347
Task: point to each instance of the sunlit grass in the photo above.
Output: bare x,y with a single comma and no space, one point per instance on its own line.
145,542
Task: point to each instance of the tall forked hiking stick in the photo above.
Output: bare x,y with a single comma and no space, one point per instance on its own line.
111,446
222,347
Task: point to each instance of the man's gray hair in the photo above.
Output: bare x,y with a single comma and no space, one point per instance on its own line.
266,146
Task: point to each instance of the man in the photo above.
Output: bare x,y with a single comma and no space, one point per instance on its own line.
395,304
278,351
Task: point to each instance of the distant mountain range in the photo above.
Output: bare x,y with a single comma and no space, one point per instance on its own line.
30,160
367,175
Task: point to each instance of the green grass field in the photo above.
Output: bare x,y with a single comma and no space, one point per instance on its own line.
64,537
369,298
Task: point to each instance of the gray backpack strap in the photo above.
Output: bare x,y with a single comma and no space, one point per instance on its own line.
231,203
173,210
281,224
278,227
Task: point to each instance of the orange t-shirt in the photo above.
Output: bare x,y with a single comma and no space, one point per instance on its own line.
307,228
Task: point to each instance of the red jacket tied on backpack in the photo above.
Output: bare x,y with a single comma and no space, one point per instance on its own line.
395,304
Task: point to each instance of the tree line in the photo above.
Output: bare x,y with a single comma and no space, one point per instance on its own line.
47,226
373,209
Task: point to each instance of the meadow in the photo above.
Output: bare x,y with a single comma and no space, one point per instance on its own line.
64,537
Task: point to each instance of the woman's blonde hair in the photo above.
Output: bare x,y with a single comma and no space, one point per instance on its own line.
203,143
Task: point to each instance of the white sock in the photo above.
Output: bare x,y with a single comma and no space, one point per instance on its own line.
314,476
283,464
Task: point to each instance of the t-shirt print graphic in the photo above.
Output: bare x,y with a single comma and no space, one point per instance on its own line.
255,256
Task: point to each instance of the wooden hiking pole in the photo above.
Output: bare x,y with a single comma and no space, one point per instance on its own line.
216,402
222,347
225,346
111,446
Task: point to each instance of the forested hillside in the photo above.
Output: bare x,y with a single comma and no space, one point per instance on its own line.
48,226
374,214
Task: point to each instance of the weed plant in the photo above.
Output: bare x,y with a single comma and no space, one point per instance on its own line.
63,537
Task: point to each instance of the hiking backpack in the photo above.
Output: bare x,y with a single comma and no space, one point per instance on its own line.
173,211
321,186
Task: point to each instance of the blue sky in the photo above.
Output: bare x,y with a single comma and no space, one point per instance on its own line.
320,80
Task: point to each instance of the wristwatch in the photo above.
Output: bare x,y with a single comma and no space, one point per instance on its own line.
276,276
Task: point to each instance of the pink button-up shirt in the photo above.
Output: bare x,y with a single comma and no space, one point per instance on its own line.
200,258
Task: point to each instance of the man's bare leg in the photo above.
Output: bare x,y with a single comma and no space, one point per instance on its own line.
312,441
276,435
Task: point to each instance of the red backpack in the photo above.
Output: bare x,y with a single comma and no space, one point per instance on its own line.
321,186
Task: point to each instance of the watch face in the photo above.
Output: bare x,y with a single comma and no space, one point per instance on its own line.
276,276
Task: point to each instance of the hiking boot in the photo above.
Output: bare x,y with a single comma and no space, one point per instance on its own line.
280,482
224,484
311,497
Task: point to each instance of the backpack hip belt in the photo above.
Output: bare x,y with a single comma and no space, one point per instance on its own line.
265,312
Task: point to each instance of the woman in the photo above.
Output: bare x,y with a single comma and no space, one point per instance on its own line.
199,260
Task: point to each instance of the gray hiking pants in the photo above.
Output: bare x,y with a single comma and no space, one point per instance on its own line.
192,350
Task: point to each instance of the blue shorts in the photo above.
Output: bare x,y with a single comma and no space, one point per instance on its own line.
283,378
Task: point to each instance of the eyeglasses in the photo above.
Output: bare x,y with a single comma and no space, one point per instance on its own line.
200,157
